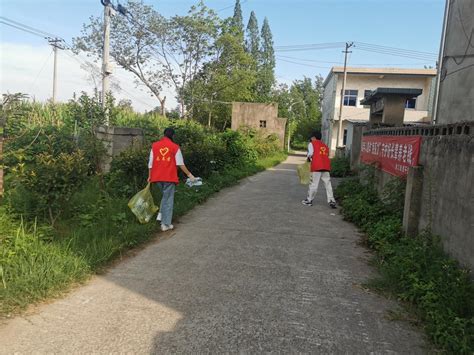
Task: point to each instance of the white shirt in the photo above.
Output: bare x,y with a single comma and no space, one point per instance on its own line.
310,150
178,157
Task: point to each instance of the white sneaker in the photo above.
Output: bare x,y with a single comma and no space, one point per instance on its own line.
165,227
158,218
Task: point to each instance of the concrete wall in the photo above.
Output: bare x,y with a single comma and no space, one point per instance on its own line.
456,92
440,191
362,82
447,202
116,140
250,114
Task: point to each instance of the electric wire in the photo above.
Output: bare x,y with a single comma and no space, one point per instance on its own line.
303,64
23,29
41,70
27,27
230,6
358,64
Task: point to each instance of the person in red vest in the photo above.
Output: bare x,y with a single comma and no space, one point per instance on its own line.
165,158
318,155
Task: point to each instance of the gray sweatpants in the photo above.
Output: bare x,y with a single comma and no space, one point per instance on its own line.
313,186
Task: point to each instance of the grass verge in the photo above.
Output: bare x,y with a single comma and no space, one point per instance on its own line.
37,263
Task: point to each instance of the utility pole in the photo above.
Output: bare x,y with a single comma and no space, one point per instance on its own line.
55,43
339,127
106,68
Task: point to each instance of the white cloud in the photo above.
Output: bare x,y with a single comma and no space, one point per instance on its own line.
29,69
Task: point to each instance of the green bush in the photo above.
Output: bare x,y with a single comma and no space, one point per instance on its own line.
301,145
129,172
340,167
416,270
50,181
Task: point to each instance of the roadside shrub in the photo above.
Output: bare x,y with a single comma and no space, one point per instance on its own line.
340,167
129,172
50,180
238,149
35,140
301,145
266,145
414,269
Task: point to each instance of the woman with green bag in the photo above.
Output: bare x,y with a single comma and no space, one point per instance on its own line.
165,158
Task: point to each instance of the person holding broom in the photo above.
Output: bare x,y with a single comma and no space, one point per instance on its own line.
318,155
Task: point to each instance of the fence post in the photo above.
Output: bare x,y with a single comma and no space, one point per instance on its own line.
413,196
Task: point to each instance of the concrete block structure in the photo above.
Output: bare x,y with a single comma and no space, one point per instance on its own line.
261,116
116,140
387,105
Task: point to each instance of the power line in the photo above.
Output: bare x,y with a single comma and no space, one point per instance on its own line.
23,29
457,71
358,44
303,64
306,47
27,28
230,6
309,60
408,53
40,71
334,62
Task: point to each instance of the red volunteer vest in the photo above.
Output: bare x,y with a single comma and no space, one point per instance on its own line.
164,161
320,160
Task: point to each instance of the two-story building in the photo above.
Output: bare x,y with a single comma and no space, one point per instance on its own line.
359,83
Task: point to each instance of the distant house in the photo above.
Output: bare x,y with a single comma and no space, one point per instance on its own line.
359,84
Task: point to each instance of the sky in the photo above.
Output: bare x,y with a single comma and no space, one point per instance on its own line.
26,61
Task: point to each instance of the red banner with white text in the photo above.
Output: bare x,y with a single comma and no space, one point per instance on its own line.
392,154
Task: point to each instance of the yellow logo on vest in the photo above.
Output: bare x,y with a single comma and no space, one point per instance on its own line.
164,151
323,151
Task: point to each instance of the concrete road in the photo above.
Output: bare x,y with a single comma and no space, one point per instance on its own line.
250,271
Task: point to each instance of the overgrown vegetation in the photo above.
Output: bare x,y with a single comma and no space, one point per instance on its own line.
413,269
63,219
340,167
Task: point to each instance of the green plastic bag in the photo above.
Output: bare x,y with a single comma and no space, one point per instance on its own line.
304,173
142,205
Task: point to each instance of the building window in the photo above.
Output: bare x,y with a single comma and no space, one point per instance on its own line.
350,97
344,138
263,124
411,103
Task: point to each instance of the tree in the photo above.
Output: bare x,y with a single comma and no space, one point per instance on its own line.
132,44
252,43
229,77
301,104
158,51
267,63
188,43
237,19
